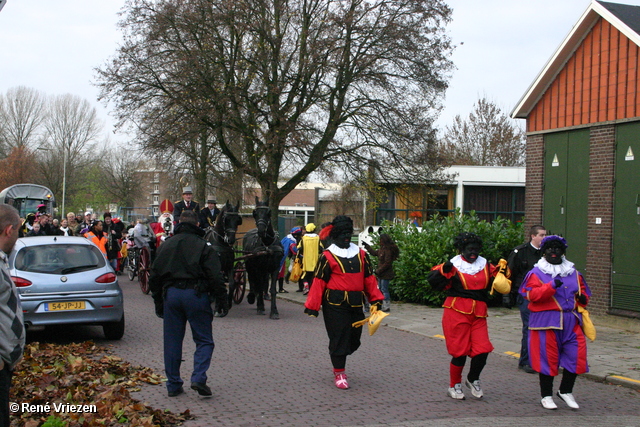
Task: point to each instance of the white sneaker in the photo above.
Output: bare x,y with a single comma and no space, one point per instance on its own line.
475,388
455,392
568,399
548,403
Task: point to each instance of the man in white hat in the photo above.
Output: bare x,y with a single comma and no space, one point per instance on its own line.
186,204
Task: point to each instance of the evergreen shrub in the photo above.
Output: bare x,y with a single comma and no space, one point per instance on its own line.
433,245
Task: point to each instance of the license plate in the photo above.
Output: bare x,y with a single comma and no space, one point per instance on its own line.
67,305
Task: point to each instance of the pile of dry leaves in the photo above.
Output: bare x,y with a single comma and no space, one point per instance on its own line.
83,374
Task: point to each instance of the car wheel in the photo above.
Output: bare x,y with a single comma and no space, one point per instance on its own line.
114,330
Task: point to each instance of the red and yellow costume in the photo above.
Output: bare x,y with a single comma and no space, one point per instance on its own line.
464,321
342,278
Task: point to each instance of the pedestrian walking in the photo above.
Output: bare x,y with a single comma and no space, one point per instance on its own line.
387,253
12,333
343,278
521,260
466,278
290,246
555,291
184,276
113,231
309,250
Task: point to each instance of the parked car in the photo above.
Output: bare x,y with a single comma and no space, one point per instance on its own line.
67,280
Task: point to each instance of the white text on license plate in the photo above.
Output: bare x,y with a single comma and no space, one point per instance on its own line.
67,305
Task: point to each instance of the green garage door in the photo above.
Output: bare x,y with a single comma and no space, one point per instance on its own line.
625,286
566,184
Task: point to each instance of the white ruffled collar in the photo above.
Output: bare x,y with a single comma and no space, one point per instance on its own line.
563,270
468,268
350,252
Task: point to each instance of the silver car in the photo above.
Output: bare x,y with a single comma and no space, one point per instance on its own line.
65,280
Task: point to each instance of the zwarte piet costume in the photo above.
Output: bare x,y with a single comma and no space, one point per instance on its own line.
555,290
466,278
343,277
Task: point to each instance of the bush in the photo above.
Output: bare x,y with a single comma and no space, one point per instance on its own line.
421,250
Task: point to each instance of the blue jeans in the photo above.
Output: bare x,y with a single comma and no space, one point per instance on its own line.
524,345
114,264
180,306
383,285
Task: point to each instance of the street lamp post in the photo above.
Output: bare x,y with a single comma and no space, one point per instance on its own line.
64,181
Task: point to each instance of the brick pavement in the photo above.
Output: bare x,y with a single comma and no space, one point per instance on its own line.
277,373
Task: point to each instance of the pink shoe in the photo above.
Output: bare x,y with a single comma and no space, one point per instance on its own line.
341,380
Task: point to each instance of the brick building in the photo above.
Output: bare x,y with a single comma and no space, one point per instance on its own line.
583,124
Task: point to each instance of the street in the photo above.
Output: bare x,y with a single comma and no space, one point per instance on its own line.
278,372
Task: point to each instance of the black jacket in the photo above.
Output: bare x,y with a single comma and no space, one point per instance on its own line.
113,239
183,258
180,206
520,261
208,217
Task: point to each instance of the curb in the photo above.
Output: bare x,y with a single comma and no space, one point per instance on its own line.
602,378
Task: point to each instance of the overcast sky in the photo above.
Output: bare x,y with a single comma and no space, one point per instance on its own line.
54,46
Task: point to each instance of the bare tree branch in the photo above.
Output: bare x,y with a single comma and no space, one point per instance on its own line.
286,85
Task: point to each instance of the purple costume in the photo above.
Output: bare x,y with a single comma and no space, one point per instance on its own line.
555,333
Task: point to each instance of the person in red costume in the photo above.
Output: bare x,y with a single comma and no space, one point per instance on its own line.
466,278
164,227
343,277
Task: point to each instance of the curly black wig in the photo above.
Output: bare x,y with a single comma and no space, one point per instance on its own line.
465,238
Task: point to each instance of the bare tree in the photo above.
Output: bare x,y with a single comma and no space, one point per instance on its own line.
286,86
71,129
22,111
118,176
488,137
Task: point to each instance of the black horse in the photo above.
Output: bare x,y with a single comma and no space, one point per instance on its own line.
264,253
222,237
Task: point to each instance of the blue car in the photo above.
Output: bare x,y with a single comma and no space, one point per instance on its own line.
66,280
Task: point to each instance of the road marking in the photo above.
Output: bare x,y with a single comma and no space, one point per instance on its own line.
624,378
439,336
511,353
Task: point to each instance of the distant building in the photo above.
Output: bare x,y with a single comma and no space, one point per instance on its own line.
490,191
154,188
583,180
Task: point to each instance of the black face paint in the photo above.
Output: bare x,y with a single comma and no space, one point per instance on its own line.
471,252
553,254
343,240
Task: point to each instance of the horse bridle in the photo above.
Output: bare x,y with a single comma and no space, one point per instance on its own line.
225,238
263,221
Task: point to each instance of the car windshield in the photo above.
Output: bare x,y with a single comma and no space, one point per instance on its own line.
59,259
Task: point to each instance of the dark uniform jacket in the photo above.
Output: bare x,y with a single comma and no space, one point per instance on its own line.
208,217
186,260
180,206
520,261
113,240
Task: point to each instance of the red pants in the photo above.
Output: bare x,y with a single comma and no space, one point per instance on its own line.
465,334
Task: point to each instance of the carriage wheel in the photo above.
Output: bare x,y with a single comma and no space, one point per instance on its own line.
240,279
144,270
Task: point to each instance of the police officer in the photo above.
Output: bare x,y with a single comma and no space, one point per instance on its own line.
186,204
184,275
209,214
520,261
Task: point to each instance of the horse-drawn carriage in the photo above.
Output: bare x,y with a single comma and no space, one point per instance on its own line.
142,243
257,262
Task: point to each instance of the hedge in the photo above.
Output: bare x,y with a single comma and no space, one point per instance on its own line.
421,250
